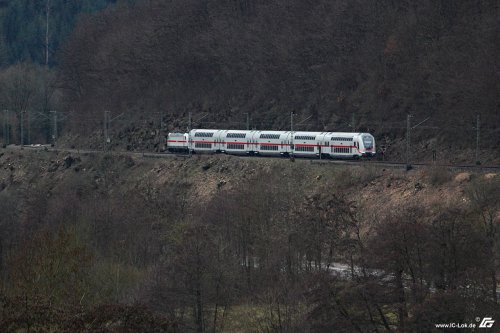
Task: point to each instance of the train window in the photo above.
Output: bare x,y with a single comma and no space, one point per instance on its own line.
342,150
203,135
341,139
266,147
304,148
235,146
269,136
304,137
236,135
368,142
202,145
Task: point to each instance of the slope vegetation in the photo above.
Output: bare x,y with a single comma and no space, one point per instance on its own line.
230,244
327,60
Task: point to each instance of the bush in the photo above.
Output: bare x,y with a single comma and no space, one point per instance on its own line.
438,175
40,315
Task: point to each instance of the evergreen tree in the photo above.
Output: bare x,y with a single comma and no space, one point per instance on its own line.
23,27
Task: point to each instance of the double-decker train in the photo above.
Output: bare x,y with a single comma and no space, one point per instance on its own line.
274,143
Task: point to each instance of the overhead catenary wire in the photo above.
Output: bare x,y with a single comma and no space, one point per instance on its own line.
368,124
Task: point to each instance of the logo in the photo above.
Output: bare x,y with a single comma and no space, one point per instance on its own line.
487,322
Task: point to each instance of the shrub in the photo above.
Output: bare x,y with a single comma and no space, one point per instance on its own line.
438,175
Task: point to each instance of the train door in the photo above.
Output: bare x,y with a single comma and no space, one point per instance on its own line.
220,141
325,147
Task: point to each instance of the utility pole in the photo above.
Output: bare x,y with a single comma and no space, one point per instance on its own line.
29,127
408,129
478,162
160,130
106,128
408,137
248,121
190,124
54,127
6,133
22,129
47,16
107,123
189,134
291,136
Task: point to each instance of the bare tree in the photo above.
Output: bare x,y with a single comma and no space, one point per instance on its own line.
485,198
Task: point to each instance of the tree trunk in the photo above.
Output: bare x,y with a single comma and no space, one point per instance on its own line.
402,312
47,13
199,310
494,285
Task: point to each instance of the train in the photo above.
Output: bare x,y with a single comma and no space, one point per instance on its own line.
343,145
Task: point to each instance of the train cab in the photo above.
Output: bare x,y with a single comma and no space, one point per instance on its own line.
366,144
177,142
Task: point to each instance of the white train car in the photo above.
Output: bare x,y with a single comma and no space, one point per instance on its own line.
307,144
177,142
236,142
343,145
274,143
349,145
204,140
271,143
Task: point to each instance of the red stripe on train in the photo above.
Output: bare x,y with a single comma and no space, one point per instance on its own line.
266,144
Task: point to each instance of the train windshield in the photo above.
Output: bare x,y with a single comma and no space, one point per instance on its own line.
368,141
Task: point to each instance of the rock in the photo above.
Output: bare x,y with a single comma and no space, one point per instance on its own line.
129,162
418,186
490,175
318,177
463,177
53,167
68,161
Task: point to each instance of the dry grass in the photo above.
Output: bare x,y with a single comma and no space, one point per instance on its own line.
438,176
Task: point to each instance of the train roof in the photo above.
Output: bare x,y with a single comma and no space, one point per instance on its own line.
341,134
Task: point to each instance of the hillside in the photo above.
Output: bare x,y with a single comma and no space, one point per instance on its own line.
331,61
339,66
237,243
97,236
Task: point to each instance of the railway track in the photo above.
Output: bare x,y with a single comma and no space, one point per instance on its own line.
382,164
402,165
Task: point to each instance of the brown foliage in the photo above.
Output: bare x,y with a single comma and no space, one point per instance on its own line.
40,315
227,58
51,266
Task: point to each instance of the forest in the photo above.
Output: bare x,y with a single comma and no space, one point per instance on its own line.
25,26
343,65
105,243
